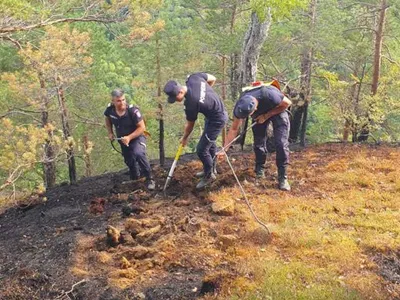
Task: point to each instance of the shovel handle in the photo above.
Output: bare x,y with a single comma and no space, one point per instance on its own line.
179,152
171,171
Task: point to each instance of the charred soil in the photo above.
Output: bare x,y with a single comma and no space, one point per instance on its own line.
173,246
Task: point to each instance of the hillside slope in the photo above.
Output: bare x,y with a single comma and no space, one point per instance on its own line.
335,236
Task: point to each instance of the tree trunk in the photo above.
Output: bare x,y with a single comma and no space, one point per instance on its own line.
253,41
234,76
349,125
356,95
160,106
49,166
223,93
234,58
346,131
304,126
378,48
86,156
66,131
306,68
299,122
161,140
379,30
295,123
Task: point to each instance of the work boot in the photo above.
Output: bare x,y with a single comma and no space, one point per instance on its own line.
206,180
150,184
134,174
214,170
132,177
282,180
200,174
260,174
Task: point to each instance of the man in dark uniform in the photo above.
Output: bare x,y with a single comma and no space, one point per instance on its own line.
265,104
130,127
200,97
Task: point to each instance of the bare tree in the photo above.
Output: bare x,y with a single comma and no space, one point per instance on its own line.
253,41
66,130
49,164
300,114
378,41
160,105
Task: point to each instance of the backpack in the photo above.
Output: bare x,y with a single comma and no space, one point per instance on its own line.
258,84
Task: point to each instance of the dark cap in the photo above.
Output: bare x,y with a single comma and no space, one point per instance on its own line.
244,107
172,89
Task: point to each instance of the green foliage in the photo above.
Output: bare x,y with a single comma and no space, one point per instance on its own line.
189,36
20,150
17,8
322,126
9,60
342,42
280,9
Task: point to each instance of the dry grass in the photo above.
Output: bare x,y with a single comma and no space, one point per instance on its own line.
122,278
344,207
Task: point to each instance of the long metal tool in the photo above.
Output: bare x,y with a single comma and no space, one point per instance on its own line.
245,196
238,181
171,171
234,140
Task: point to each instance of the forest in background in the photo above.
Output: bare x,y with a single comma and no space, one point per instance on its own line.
339,61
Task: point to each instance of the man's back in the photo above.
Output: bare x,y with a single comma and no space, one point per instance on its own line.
268,98
202,98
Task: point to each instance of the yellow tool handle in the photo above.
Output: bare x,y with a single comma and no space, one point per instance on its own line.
171,171
147,134
179,152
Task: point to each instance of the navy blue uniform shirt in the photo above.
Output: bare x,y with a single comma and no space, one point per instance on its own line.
268,98
127,123
200,97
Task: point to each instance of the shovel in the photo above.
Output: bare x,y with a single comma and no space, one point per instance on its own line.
171,171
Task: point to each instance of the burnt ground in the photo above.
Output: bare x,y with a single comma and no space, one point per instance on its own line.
49,244
173,246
